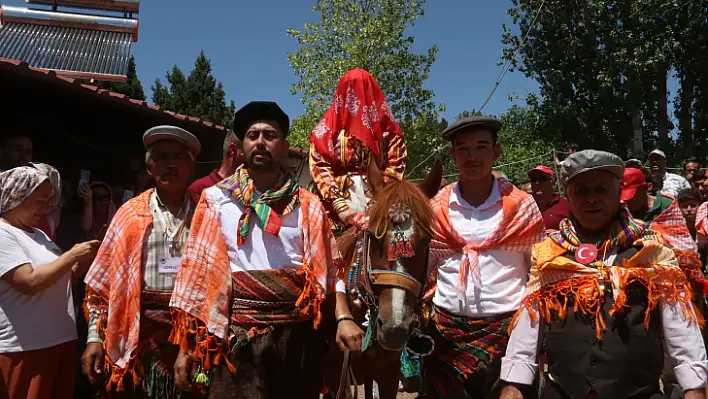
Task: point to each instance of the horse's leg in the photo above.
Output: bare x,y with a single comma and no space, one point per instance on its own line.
369,387
388,384
333,369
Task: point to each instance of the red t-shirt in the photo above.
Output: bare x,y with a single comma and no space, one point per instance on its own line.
554,212
203,183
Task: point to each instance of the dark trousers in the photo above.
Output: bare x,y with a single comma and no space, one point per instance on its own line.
286,362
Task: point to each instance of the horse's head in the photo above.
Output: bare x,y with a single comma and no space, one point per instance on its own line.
400,220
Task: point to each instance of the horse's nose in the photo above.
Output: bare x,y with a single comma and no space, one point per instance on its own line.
394,333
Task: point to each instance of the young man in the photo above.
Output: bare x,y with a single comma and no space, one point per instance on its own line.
661,212
611,296
553,207
129,284
484,229
259,264
670,183
233,158
689,201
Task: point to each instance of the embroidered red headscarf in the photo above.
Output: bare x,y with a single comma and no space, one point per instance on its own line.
359,107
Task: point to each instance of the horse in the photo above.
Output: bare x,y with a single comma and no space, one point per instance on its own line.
388,271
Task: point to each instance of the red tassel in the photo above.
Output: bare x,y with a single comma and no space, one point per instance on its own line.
704,283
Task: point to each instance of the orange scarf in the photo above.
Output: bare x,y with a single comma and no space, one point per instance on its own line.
671,224
556,276
203,288
521,227
116,277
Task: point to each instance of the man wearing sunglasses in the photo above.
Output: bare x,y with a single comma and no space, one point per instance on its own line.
553,207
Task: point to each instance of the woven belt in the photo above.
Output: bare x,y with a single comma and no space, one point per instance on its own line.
239,303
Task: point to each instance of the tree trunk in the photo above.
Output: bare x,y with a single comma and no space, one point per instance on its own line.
662,108
637,143
684,111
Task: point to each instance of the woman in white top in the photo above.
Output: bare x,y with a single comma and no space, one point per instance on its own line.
37,323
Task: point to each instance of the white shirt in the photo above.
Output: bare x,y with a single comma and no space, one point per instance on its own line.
31,322
683,343
673,184
261,250
504,274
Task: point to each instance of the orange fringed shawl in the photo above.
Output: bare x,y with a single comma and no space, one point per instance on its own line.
554,277
201,300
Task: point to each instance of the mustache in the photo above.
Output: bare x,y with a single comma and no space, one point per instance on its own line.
264,153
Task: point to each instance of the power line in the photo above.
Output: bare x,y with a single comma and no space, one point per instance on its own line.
510,60
496,86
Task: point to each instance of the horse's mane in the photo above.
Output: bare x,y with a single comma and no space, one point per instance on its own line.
394,192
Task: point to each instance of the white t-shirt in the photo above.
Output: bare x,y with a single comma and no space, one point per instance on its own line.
30,322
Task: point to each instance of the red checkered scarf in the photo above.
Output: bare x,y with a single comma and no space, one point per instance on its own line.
359,108
116,275
672,226
203,285
521,227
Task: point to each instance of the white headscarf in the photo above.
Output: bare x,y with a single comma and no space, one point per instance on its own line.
17,184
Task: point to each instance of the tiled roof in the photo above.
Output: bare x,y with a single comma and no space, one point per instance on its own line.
73,52
23,68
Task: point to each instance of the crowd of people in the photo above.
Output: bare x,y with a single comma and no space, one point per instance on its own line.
223,287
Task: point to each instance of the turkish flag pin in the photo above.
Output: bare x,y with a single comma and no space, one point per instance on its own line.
586,254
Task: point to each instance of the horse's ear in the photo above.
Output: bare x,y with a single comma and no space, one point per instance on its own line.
431,184
376,180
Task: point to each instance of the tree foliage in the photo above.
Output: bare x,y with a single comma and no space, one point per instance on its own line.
368,34
603,65
198,94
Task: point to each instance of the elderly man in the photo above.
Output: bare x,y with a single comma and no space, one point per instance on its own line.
480,258
553,207
690,169
611,296
233,158
670,183
261,260
130,283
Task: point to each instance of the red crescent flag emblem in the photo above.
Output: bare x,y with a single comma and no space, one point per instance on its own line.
586,254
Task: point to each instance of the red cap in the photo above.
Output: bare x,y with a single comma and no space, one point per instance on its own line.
632,180
543,169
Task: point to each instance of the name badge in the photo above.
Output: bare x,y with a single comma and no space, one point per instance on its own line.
168,265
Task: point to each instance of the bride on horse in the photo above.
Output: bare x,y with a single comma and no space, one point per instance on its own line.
358,125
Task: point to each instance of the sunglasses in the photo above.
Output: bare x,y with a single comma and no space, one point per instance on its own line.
540,179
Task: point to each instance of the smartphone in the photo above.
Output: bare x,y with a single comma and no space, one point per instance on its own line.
84,179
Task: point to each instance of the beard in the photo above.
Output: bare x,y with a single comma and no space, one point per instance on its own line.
265,163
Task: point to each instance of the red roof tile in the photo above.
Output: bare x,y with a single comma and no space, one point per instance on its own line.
21,67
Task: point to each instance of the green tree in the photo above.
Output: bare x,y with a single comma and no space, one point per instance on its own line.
368,34
198,94
602,68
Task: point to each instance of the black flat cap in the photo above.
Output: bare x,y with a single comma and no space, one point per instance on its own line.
260,111
472,123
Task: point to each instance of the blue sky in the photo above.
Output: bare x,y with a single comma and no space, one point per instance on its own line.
248,45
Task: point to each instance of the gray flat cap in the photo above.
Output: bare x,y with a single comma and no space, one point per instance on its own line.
589,160
166,132
472,123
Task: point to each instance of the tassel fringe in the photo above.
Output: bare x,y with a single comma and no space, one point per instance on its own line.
666,284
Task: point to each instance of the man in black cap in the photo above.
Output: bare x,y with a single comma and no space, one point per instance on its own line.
480,258
250,289
611,297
